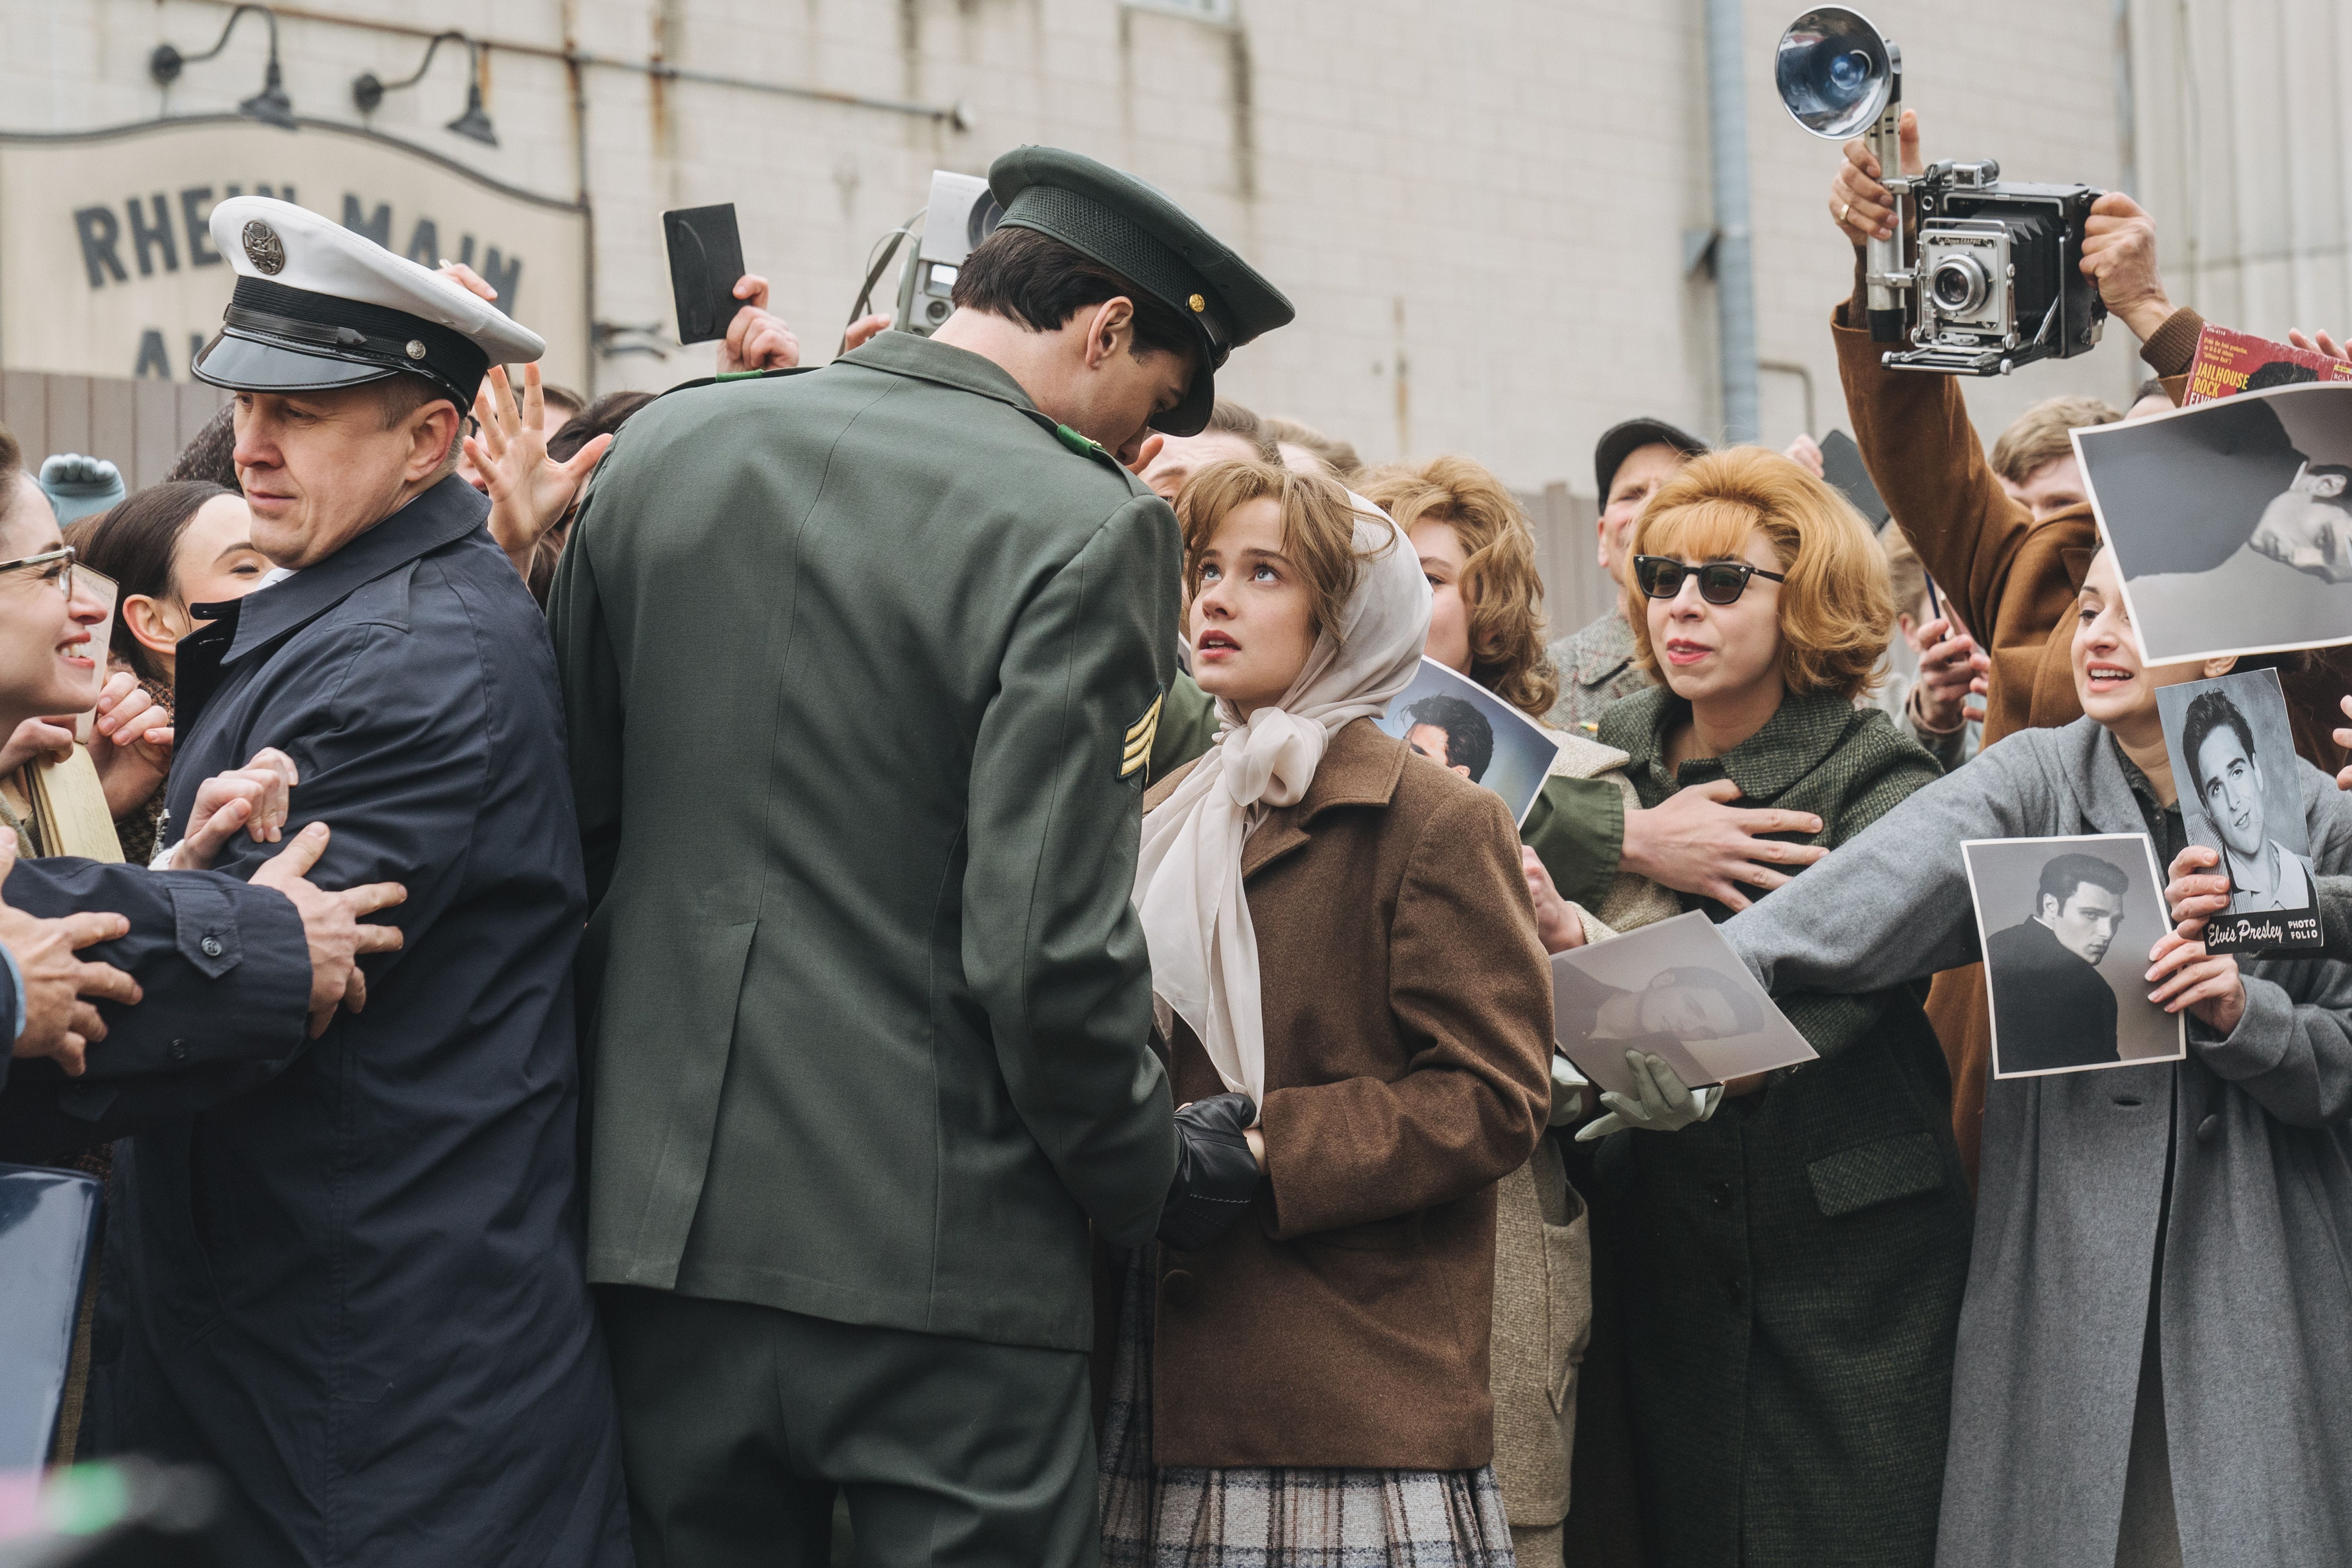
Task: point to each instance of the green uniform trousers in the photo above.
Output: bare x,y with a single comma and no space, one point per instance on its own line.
740,1424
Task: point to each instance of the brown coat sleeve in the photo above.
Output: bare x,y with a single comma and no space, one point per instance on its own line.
1471,992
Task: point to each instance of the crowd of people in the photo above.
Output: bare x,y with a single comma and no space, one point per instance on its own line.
849,944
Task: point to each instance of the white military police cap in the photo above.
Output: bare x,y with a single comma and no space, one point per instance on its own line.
318,306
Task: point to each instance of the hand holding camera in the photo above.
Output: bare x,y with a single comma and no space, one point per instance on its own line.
1967,273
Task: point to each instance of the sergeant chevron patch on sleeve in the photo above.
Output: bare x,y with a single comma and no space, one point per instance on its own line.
1140,736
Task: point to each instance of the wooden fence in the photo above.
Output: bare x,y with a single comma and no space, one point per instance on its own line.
1575,589
138,426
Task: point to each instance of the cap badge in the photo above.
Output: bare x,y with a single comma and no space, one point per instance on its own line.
264,248
415,349
1197,303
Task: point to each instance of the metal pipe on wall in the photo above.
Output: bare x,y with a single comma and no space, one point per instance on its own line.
1735,246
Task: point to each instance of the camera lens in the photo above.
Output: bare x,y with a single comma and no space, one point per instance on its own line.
1959,284
1848,72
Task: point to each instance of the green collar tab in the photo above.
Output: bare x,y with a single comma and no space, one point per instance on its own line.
1080,444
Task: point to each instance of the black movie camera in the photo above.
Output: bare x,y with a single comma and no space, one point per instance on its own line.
1982,276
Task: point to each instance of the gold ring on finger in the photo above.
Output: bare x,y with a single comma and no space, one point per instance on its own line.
1844,211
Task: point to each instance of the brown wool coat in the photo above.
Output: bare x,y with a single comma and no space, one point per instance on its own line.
1407,1051
2012,583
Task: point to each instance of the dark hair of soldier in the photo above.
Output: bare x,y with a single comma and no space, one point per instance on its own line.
1036,280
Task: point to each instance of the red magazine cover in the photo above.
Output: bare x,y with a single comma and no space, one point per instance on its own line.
2228,363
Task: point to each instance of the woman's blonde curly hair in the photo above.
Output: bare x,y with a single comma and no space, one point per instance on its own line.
1500,585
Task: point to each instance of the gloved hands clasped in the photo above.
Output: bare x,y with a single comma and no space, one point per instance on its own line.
1216,1174
1665,1104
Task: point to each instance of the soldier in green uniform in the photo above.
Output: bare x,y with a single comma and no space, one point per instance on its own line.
863,668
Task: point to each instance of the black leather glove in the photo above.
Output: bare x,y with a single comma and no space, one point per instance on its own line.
1216,1174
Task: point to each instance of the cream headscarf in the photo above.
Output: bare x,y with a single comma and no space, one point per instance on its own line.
1188,880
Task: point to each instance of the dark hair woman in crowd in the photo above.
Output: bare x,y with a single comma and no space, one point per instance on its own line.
188,542
1795,1244
1347,967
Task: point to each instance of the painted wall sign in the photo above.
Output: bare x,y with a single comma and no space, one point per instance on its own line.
106,266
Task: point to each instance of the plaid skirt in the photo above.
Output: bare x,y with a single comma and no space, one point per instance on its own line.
1155,1517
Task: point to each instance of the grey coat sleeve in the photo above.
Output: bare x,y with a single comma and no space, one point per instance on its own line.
1892,904
1052,946
2294,1056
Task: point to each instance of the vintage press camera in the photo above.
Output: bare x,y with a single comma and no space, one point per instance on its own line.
959,215
1989,277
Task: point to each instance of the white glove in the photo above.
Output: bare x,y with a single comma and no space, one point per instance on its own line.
1666,1103
1568,1087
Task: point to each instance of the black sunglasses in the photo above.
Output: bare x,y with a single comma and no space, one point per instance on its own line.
1719,582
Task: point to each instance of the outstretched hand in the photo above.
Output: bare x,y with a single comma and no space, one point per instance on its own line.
2196,892
1862,207
1556,922
256,797
1695,841
529,492
130,742
1662,1103
331,924
2206,984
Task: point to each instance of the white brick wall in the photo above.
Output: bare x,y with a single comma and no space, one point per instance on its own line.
1490,194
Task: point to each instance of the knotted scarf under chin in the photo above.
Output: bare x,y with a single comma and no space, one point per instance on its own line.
1187,878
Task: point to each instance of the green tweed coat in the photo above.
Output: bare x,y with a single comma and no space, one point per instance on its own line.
1792,1269
862,668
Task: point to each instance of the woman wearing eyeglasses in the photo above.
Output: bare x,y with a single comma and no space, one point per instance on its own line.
49,653
1795,1244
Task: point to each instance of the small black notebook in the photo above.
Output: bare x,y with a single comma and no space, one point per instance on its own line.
48,1220
706,262
1842,466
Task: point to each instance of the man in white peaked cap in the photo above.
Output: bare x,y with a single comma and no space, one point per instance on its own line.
351,1280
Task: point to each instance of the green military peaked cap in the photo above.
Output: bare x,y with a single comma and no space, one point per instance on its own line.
1143,236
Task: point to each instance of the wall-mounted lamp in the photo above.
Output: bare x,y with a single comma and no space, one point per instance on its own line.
368,90
270,105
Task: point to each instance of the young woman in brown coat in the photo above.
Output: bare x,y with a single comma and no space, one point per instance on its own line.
1342,943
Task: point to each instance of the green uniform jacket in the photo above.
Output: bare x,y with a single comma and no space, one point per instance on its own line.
861,667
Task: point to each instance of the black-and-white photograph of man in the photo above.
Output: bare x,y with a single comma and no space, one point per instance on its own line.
2066,924
1451,733
2232,520
1459,724
2234,761
1673,990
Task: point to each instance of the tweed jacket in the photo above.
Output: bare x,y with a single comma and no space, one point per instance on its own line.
2012,582
1344,1320
1791,1270
2254,1296
1597,667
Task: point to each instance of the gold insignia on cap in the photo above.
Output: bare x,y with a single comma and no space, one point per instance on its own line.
1140,736
1198,304
415,349
264,248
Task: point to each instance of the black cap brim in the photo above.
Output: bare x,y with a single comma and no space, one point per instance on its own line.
1191,414
247,364
1620,442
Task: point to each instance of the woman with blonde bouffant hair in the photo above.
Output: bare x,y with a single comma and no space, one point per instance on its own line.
1795,1244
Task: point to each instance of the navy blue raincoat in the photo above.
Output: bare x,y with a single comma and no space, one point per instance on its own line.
357,1288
